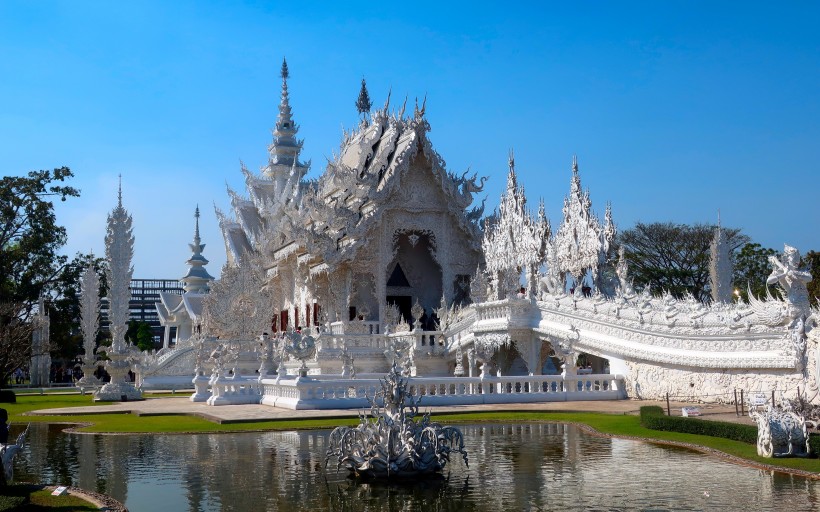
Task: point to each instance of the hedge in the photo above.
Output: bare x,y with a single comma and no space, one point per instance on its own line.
12,498
653,417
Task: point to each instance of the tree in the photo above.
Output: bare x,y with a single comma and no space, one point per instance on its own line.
752,268
139,334
66,337
29,263
812,262
673,257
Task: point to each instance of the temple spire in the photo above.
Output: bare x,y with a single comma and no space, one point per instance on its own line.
512,182
363,103
196,231
283,159
284,73
197,278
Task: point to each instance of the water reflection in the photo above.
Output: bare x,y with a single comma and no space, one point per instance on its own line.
526,467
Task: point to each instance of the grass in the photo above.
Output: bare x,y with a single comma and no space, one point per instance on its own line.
612,424
35,498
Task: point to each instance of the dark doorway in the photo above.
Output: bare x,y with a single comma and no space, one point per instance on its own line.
404,303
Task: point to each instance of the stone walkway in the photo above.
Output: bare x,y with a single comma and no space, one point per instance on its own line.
248,413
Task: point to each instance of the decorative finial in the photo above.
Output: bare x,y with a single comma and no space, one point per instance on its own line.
363,103
403,107
119,191
511,160
387,103
284,73
575,164
196,216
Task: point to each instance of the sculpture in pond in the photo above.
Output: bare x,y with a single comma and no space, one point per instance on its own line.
393,444
781,432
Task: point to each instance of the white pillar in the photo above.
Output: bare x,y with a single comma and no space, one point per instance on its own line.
166,337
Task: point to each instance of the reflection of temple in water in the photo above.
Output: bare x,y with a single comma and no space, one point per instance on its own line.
528,466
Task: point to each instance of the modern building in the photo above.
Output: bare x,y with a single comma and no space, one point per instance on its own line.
145,293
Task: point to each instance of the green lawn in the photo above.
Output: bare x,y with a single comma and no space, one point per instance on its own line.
619,425
35,498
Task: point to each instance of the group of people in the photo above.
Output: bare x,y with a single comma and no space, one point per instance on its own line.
20,375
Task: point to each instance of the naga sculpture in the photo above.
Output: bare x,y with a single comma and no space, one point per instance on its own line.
781,432
7,454
393,444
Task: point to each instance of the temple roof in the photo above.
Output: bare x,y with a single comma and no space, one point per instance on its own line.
328,217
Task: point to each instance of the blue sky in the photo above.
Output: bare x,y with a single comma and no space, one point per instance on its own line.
675,109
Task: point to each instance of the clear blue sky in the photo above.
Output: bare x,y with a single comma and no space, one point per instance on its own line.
675,109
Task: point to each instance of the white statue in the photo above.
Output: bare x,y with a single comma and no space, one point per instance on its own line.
792,280
622,271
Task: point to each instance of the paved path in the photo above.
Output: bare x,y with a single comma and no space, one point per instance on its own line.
246,413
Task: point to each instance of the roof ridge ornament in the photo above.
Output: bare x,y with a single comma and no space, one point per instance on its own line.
363,102
284,72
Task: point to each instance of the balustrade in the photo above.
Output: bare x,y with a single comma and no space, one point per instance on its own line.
335,392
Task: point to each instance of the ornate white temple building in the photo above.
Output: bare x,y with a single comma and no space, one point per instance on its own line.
384,258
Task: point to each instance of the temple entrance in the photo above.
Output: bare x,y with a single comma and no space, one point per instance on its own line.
413,275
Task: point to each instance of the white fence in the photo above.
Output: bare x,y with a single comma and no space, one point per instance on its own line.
339,393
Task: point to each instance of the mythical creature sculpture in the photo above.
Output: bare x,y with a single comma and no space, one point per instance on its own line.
393,444
622,271
217,358
549,284
7,454
792,280
780,431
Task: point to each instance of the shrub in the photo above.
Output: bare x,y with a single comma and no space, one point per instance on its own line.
13,497
652,417
7,396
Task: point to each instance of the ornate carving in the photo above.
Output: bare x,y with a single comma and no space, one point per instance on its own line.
780,431
394,444
90,321
119,249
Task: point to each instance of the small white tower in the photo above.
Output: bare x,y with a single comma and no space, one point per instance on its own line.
197,278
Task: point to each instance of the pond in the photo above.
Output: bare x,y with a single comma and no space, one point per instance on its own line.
525,467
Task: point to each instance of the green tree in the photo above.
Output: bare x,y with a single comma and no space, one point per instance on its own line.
673,257
66,336
30,265
752,268
811,261
139,334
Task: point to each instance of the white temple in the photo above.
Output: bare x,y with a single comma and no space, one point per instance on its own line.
384,258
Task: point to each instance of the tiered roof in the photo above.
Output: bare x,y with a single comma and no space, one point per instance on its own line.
327,218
